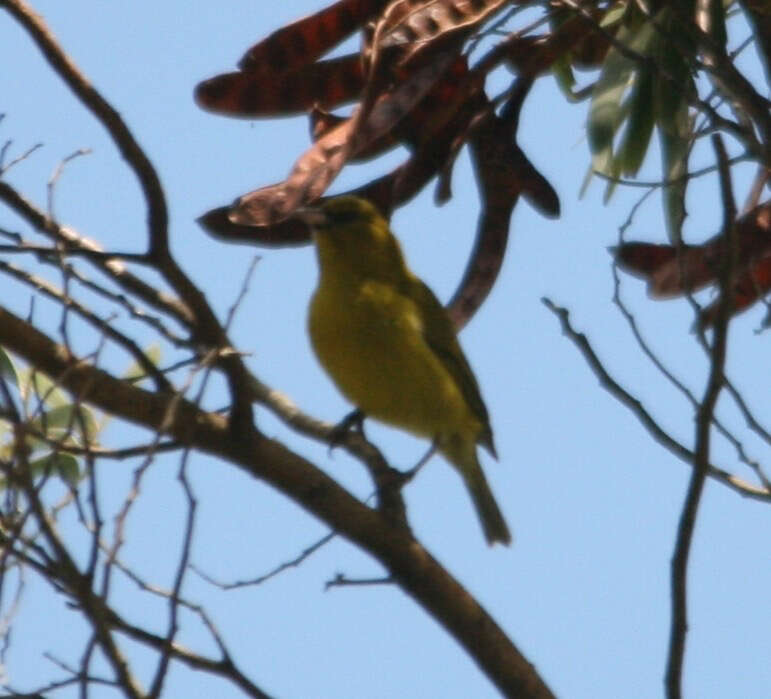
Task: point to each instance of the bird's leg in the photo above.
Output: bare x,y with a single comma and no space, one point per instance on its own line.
354,419
407,476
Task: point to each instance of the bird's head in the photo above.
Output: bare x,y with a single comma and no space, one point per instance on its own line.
349,230
339,213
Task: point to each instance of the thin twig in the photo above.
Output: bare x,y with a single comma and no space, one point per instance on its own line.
655,430
112,121
5,168
679,627
103,325
286,565
341,580
113,268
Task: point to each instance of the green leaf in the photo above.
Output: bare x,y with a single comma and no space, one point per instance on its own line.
605,110
7,369
38,387
563,74
674,156
675,139
67,419
586,181
62,463
62,417
639,128
135,372
614,14
675,132
608,112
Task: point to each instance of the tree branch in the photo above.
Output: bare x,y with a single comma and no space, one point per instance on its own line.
679,627
415,570
660,435
157,214
113,268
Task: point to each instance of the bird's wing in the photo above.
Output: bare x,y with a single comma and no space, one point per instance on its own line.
440,336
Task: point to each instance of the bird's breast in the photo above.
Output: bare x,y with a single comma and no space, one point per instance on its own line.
370,341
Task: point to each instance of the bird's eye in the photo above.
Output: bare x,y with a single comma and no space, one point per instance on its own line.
344,216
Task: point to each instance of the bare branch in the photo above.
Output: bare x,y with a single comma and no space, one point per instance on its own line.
103,325
673,679
18,159
222,668
286,565
341,580
89,96
416,571
655,430
110,266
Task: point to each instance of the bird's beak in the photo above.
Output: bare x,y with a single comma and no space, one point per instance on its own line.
312,216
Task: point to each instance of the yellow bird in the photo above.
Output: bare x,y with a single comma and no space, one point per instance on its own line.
391,348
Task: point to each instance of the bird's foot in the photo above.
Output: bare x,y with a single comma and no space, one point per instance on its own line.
407,476
354,420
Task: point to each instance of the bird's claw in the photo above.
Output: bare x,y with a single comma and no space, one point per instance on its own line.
406,476
354,420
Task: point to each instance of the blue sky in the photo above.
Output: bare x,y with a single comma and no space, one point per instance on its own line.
592,500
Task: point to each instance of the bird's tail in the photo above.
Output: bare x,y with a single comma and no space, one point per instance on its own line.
490,516
464,458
